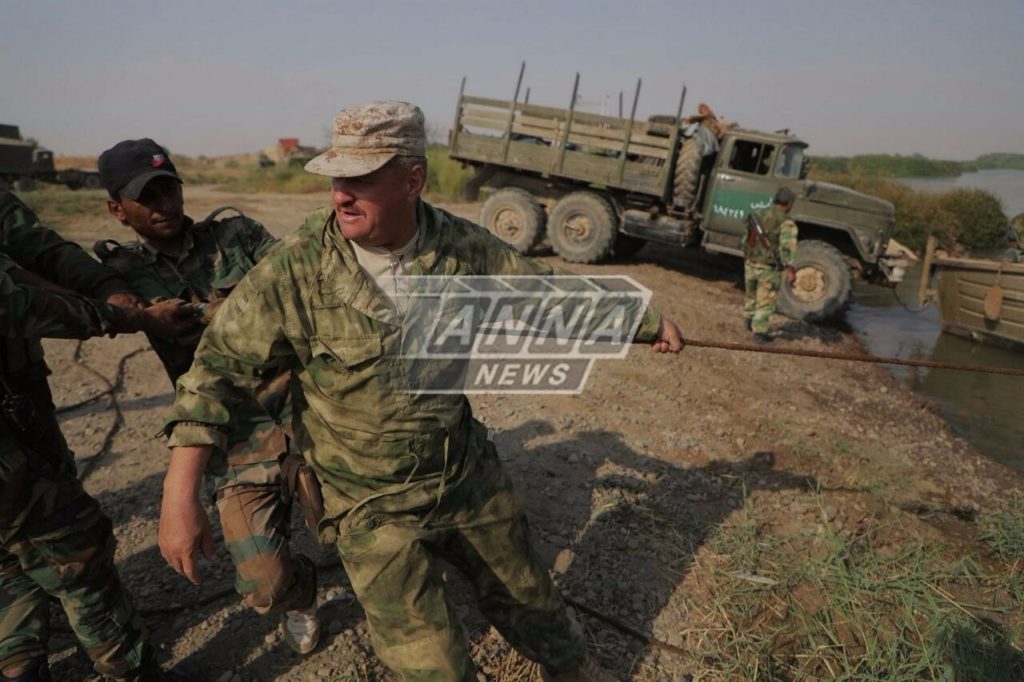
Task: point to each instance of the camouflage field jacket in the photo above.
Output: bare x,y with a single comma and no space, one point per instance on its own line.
217,254
45,253
310,305
781,232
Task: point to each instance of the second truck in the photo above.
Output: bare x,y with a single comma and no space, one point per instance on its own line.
599,185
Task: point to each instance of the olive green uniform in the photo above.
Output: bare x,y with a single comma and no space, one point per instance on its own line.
763,265
54,539
216,255
408,477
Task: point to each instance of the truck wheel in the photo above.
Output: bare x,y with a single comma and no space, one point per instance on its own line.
24,184
627,245
823,283
684,185
92,181
582,227
515,216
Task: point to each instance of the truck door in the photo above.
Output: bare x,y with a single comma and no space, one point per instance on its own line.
739,183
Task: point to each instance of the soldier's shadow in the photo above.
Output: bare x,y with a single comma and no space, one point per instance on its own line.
622,528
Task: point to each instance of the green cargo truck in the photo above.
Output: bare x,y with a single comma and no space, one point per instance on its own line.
23,163
599,185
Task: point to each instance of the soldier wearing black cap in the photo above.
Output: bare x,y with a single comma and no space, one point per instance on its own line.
768,250
176,258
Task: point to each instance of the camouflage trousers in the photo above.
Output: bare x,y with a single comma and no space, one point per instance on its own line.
394,563
761,284
56,542
256,522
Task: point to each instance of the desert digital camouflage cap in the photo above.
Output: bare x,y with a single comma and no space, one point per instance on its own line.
368,136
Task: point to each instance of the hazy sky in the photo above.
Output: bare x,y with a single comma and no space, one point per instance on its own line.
942,78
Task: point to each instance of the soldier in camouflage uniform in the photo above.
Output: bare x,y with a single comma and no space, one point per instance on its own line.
54,539
409,478
202,262
767,260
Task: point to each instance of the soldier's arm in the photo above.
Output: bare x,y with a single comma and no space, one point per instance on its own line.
787,242
244,340
28,311
498,258
43,251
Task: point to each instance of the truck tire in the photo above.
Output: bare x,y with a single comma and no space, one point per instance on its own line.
515,216
823,283
684,186
25,183
92,181
582,228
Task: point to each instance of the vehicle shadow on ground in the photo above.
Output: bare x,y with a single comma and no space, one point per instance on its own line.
622,528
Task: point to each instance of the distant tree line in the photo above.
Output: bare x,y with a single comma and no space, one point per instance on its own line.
913,165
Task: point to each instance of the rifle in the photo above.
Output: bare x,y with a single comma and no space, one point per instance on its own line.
756,233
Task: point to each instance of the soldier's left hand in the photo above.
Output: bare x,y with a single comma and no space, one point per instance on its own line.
126,301
670,337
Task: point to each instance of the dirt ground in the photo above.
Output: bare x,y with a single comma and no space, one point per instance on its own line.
624,483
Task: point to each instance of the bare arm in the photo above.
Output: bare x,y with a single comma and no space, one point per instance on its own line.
184,525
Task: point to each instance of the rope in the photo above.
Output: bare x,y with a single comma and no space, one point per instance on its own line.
876,359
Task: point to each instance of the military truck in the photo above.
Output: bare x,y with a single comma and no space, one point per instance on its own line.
600,185
23,163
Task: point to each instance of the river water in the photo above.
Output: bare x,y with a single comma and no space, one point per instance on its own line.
985,409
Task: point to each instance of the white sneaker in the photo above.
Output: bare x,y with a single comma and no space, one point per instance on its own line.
301,629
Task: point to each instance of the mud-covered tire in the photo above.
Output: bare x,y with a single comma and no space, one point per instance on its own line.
684,183
512,214
25,183
92,181
627,245
823,283
582,228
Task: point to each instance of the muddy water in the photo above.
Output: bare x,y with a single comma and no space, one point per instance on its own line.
987,410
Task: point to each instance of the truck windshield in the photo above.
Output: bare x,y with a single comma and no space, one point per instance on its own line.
790,161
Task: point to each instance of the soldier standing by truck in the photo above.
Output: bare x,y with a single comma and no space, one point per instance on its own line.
768,251
55,540
202,262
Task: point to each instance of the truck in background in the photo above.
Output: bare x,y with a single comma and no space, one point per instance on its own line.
599,185
23,163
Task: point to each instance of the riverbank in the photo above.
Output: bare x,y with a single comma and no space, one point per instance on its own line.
725,515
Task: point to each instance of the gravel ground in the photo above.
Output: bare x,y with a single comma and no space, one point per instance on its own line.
623,482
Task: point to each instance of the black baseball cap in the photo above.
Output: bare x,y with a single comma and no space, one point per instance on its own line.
128,166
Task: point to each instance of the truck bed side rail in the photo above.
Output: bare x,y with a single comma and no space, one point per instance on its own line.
565,143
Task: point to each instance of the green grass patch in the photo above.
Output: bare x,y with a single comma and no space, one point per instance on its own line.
446,179
878,604
1003,530
284,179
970,218
60,202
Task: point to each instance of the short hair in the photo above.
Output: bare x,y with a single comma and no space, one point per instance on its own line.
407,162
784,196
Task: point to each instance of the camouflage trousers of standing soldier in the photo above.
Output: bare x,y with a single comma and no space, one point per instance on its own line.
256,521
56,542
761,284
393,561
